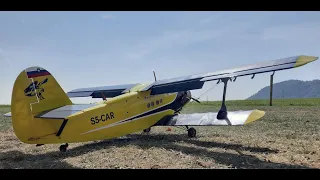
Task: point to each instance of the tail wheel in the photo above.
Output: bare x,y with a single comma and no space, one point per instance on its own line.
192,132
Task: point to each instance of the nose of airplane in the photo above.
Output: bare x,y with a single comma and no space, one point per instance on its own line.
186,97
183,98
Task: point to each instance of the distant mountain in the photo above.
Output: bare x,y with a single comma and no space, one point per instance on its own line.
290,89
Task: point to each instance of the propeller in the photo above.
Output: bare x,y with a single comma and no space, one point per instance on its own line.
194,99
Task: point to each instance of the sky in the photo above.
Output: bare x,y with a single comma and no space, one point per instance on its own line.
97,48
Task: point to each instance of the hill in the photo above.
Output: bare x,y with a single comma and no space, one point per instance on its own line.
290,89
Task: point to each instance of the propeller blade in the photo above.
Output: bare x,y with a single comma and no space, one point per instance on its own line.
195,100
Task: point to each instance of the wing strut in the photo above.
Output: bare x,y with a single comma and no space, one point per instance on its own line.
63,125
103,96
223,114
271,87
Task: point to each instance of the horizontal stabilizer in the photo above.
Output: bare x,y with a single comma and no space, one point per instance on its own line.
100,92
65,111
210,119
7,114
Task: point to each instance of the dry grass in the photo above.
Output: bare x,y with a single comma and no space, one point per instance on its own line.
287,137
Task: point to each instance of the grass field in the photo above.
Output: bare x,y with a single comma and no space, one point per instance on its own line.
288,136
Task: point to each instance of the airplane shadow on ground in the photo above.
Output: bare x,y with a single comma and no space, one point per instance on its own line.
17,159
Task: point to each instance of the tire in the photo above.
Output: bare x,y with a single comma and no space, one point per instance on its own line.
192,132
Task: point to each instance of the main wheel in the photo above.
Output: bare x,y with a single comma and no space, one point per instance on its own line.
192,132
63,148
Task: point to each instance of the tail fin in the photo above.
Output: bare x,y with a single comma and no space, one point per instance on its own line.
35,90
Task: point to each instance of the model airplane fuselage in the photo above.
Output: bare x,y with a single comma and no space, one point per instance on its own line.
118,116
42,113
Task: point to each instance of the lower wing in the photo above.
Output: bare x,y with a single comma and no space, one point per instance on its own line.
7,114
235,118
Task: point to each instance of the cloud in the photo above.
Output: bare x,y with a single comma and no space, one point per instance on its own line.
4,58
210,19
219,27
201,30
107,17
174,37
171,38
293,32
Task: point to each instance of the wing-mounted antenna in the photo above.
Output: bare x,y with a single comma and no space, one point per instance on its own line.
154,74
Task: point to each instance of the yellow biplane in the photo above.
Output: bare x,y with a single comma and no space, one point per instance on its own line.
42,113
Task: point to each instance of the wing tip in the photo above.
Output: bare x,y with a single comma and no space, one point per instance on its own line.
303,59
255,115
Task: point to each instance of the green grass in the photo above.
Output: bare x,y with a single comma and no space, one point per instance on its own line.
5,122
288,136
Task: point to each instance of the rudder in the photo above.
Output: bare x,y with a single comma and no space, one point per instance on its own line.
35,91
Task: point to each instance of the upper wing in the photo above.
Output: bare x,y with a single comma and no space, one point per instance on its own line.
100,92
192,82
196,81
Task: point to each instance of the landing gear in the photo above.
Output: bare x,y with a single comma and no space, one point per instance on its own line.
63,148
223,113
191,132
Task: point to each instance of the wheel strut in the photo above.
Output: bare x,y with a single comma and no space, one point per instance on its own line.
223,113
